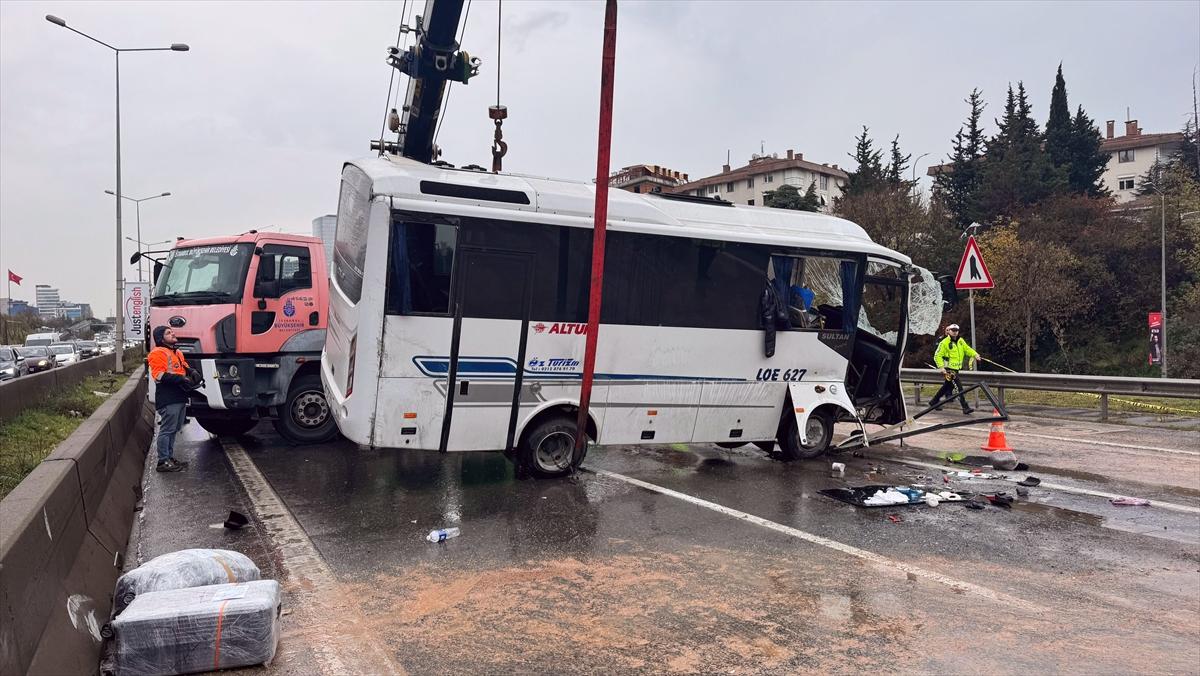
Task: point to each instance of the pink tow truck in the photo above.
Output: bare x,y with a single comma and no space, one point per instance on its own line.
250,314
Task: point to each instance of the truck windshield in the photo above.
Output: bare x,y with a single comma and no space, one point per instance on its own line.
204,274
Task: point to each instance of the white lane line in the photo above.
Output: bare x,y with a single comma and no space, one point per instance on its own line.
1059,487
335,652
957,585
1079,440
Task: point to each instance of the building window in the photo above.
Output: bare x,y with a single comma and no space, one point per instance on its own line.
750,202
1125,155
699,192
729,187
713,188
769,179
750,182
1125,183
824,182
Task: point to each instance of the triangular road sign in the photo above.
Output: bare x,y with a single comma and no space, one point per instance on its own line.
972,273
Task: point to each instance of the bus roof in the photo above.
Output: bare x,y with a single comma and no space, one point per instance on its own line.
572,203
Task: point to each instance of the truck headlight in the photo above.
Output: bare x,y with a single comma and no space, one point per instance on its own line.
233,370
236,390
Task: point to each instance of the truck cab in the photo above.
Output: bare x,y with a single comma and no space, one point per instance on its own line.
249,312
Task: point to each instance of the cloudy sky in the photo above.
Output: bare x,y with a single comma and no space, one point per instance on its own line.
249,128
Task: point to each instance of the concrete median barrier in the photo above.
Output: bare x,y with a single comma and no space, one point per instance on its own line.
20,393
62,531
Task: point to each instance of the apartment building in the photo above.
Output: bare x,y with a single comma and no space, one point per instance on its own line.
764,173
1131,156
644,178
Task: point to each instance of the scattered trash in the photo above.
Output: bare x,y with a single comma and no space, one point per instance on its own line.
837,469
894,518
443,534
98,393
183,569
931,500
1029,481
999,500
883,496
1021,467
1023,492
973,474
890,496
1130,502
945,479
204,628
975,503
236,521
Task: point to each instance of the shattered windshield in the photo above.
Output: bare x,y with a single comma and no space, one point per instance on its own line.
203,274
883,304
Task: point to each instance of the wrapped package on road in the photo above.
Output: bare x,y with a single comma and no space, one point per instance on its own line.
183,569
184,631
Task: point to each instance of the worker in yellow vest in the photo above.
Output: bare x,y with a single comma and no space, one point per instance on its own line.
951,356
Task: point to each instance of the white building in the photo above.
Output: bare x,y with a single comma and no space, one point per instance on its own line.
48,301
1132,155
764,173
324,229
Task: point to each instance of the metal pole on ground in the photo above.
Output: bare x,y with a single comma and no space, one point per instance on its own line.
603,148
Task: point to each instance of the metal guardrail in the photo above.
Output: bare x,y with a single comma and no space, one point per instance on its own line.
1174,388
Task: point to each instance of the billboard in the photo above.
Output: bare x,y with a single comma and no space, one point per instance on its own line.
136,307
1155,321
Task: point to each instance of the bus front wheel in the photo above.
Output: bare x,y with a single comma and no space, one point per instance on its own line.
818,429
548,450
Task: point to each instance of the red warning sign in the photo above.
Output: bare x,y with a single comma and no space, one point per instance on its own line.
972,273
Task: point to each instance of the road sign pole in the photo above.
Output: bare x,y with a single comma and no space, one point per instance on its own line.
974,344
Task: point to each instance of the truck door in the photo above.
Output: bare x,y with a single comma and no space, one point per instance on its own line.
491,304
282,301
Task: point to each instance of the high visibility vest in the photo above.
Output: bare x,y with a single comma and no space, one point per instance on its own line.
951,355
165,360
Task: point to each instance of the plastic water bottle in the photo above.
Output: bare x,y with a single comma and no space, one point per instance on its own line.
442,534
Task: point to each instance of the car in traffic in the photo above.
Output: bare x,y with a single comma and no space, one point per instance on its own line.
65,353
40,339
106,346
37,359
87,348
12,365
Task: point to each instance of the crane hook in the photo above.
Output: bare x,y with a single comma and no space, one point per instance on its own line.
499,147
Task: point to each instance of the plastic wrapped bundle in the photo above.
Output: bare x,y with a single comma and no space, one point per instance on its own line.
183,569
185,631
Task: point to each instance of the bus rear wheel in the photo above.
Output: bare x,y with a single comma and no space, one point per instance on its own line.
548,450
818,428
306,417
227,427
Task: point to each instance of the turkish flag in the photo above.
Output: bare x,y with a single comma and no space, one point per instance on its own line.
14,277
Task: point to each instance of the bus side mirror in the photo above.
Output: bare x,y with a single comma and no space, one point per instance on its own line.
949,293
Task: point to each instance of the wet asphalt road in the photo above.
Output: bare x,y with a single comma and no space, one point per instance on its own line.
597,574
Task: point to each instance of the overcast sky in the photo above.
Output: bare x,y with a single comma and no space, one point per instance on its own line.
249,129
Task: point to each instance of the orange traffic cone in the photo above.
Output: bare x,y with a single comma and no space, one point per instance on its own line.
996,440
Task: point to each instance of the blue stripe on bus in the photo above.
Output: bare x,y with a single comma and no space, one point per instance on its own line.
502,367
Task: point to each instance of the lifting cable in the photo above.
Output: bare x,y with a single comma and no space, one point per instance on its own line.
392,78
498,113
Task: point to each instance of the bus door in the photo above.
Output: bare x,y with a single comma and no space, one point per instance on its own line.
874,377
491,304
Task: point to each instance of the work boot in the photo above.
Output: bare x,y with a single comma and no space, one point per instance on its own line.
169,465
183,463
968,410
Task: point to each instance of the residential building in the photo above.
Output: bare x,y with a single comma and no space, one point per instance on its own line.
47,300
325,229
1131,156
764,173
643,178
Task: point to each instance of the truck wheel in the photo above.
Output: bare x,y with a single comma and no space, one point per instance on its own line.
227,427
548,448
306,418
818,428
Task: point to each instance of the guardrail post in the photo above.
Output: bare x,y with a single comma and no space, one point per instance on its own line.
917,400
1104,407
1000,396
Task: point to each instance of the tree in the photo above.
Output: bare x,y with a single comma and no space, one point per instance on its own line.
957,186
1088,161
1060,132
869,160
897,166
1017,173
789,197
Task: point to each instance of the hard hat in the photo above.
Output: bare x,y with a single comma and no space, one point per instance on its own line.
952,326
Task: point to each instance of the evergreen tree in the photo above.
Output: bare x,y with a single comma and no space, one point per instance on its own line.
789,197
1060,131
870,173
1018,171
957,185
1088,161
897,166
1188,155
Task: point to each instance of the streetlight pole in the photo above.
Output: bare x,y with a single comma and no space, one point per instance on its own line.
138,207
120,310
1163,234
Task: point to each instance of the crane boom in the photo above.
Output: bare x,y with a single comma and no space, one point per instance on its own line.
431,62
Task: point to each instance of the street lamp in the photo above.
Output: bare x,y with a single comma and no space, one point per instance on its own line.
138,208
914,168
175,47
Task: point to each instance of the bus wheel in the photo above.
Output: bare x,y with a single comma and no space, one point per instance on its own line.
549,448
818,428
306,418
227,427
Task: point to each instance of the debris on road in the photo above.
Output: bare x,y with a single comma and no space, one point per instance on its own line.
837,470
443,534
1130,502
894,518
183,569
885,496
236,521
1029,481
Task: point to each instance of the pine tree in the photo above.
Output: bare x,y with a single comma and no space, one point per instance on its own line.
869,173
789,197
957,185
1060,132
1088,161
1018,171
897,166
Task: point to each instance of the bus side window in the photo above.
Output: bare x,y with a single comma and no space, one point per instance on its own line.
422,263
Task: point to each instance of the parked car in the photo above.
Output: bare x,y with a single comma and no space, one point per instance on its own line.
87,348
65,353
37,358
12,365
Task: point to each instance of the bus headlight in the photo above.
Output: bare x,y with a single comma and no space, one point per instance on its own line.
233,370
236,390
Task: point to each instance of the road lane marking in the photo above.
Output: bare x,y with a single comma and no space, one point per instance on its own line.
1059,487
336,653
878,559
1178,451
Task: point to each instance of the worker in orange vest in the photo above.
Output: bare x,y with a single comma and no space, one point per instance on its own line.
173,381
